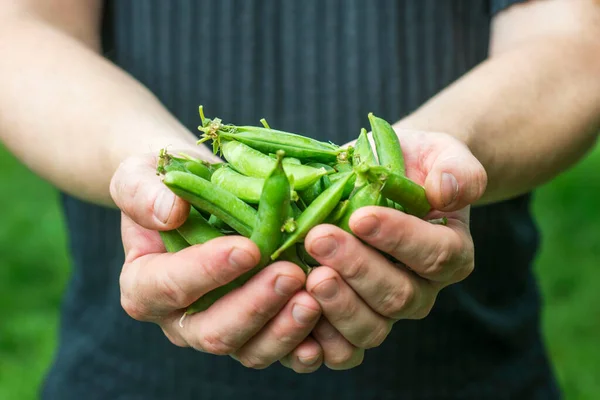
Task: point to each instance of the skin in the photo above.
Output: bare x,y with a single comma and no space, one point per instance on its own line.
498,143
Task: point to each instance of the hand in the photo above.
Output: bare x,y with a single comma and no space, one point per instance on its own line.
361,292
257,324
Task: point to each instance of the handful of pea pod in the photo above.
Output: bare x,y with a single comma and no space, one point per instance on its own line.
274,187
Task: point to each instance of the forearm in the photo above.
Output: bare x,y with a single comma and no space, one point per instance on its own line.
72,116
526,114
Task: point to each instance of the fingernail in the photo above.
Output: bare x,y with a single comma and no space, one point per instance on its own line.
327,289
324,246
449,188
308,361
287,286
367,226
240,258
304,315
163,205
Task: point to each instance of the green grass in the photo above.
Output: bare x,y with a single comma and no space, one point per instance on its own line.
34,266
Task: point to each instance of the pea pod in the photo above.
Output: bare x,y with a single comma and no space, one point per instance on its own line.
387,145
392,204
287,160
219,224
326,167
337,213
349,185
315,213
305,255
206,196
310,194
173,241
247,188
400,189
197,230
367,195
272,211
251,162
363,153
199,169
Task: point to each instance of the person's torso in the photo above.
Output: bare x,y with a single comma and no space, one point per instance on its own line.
315,67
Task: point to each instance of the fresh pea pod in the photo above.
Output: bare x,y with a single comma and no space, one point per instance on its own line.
337,213
326,167
247,188
287,160
272,211
173,241
315,213
363,153
206,196
199,169
343,167
400,189
218,224
392,204
368,195
305,256
251,162
292,256
387,145
349,185
197,230
310,194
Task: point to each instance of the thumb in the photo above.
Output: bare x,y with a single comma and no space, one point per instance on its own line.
455,180
139,193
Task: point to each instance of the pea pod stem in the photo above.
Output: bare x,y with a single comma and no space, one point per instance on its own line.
208,197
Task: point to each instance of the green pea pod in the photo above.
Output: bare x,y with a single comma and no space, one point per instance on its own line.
401,190
197,230
247,188
305,256
167,162
173,241
326,167
199,169
310,194
363,153
206,196
387,145
367,195
287,160
337,213
315,213
349,185
218,224
292,256
343,167
439,221
392,204
251,162
272,211
325,181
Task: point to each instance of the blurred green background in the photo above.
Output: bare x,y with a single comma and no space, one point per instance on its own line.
34,267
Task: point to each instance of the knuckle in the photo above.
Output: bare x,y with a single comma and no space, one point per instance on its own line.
216,273
355,270
134,309
347,359
254,362
259,312
396,302
435,262
172,292
213,343
285,338
374,337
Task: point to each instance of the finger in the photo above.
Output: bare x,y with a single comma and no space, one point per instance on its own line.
346,311
154,285
391,290
139,193
235,318
455,179
438,253
338,353
305,358
282,334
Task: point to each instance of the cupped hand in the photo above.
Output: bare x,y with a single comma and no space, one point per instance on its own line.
363,292
267,319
